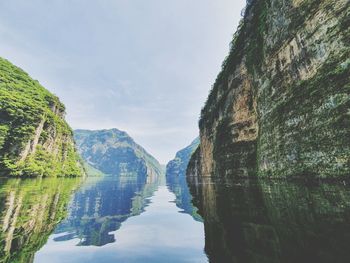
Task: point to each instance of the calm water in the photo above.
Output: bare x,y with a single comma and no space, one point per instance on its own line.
274,221
116,220
121,219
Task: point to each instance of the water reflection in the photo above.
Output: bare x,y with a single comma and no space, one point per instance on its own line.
100,207
178,185
274,221
103,227
30,209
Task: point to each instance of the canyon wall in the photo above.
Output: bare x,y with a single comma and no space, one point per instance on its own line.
280,107
35,140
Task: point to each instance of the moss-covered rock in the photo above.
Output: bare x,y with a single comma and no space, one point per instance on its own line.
35,140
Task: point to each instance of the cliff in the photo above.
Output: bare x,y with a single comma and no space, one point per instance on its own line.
115,152
35,140
280,106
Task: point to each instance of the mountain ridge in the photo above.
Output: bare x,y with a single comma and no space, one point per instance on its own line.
99,147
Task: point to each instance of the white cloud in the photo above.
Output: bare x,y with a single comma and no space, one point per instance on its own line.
142,66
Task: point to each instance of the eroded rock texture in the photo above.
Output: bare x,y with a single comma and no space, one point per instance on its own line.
281,105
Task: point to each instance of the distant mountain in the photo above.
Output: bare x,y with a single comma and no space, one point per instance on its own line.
178,165
115,152
176,179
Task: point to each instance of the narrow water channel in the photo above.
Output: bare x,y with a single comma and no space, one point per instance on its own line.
129,219
114,219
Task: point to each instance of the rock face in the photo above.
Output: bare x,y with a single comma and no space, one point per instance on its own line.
115,152
35,140
281,105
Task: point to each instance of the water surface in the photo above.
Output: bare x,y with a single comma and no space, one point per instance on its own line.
274,221
114,219
124,219
30,210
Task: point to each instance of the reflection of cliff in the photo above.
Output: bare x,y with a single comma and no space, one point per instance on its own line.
99,208
176,179
30,209
252,221
178,186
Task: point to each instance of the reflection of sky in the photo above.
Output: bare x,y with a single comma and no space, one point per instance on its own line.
160,234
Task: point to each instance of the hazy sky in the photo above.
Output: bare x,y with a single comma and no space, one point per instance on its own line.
143,66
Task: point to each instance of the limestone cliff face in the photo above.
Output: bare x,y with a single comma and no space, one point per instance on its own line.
35,140
281,105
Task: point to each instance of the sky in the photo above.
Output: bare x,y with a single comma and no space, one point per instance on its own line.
142,66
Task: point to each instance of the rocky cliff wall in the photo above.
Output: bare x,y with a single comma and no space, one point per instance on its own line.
35,140
281,105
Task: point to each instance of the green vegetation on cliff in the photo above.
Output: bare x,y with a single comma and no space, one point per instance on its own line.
35,140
